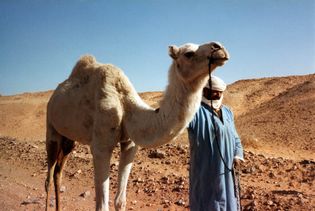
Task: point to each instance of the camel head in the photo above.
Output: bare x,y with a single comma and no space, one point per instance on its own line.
191,60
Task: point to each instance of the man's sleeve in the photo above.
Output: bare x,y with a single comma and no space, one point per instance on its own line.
238,153
193,123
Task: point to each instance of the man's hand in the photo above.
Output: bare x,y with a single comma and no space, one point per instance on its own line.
237,164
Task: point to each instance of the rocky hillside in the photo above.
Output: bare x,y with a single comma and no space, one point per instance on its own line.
272,114
274,117
276,114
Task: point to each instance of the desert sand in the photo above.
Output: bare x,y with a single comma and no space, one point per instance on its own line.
275,118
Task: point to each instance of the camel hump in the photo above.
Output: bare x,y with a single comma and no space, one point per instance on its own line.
84,61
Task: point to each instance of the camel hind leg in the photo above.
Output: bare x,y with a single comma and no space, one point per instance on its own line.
58,149
52,154
67,146
53,140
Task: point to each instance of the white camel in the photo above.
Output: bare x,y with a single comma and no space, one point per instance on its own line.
98,106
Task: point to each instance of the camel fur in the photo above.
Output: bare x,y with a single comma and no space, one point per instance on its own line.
98,106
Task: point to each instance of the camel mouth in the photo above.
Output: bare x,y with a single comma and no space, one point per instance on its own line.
220,61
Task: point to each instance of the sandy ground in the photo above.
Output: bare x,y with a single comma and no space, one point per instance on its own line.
274,117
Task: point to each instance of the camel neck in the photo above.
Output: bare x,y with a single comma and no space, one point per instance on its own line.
180,102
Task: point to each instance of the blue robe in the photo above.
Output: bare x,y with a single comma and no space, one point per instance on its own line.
211,183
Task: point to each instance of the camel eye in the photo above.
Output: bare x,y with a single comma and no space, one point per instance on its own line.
216,46
189,54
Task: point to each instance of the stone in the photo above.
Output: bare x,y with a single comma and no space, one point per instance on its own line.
85,194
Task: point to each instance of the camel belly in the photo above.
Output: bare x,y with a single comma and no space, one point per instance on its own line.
79,118
74,124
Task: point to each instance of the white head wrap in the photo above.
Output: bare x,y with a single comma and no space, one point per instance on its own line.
217,85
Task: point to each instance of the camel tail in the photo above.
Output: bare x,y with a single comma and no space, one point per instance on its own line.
81,65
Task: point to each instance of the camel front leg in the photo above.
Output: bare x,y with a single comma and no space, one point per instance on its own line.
128,151
101,160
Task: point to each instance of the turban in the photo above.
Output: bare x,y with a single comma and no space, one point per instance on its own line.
217,84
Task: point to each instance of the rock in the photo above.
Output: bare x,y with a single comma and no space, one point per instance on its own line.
251,206
166,201
180,202
178,188
31,201
85,194
157,153
138,180
269,202
77,173
294,168
165,180
272,175
181,149
62,189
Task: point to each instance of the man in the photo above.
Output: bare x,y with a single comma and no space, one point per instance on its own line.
214,148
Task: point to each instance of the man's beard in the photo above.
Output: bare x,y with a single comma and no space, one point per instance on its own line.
216,104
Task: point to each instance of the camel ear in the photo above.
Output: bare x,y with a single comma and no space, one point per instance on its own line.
173,51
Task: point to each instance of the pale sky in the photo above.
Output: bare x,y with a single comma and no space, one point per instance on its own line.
41,40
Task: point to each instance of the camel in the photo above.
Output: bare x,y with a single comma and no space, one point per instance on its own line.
98,106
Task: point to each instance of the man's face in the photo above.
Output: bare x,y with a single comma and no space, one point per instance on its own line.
215,95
